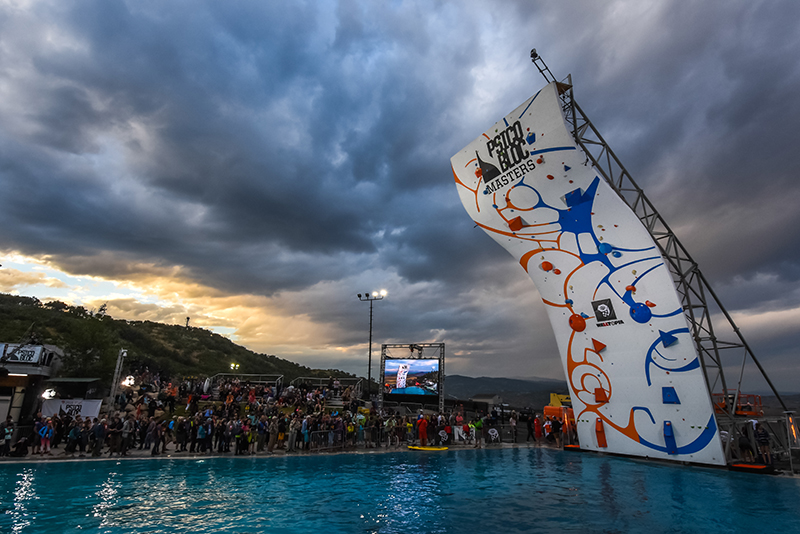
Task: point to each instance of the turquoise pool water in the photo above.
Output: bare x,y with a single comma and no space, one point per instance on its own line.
492,491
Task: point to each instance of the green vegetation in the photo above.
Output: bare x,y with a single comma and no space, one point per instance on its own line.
91,341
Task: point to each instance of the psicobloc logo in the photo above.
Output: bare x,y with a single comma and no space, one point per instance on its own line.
510,150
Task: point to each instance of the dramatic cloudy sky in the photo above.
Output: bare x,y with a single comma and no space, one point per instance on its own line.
254,165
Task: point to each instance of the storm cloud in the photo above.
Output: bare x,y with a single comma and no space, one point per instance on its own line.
293,155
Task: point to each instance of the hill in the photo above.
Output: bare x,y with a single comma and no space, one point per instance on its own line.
519,393
91,342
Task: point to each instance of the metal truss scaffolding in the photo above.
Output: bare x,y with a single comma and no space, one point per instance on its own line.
703,309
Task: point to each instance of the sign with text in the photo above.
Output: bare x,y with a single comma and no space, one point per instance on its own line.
24,354
72,407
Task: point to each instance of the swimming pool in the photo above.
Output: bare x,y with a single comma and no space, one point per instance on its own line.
500,490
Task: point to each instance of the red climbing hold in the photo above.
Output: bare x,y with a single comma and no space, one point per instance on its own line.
478,172
577,323
515,224
547,266
540,161
649,304
556,271
551,177
598,346
632,289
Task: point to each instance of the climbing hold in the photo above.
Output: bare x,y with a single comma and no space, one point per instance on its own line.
574,197
478,172
584,315
540,160
566,168
633,271
546,266
551,177
530,138
600,395
598,346
556,271
669,438
568,302
669,395
632,289
600,433
640,313
605,248
577,323
616,253
515,224
666,338
649,304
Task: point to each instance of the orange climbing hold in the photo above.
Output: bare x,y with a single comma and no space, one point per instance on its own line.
632,289
577,323
479,172
556,271
540,161
601,433
649,304
515,224
547,266
598,346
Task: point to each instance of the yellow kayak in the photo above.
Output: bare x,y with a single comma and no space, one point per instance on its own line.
415,448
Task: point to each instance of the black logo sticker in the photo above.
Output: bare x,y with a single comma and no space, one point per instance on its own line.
604,310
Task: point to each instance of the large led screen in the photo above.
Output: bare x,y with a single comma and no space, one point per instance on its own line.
411,377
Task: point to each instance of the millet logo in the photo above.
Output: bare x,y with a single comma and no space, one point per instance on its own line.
604,313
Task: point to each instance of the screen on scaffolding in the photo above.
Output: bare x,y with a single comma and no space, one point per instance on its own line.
411,377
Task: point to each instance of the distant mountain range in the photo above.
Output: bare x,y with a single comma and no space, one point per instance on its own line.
518,393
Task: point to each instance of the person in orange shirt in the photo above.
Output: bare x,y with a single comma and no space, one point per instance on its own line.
422,428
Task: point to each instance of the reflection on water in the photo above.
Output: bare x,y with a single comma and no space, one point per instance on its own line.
508,490
23,493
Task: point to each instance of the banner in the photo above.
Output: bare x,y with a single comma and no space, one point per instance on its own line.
26,354
72,407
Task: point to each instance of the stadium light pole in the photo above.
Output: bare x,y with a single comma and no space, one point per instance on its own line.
371,298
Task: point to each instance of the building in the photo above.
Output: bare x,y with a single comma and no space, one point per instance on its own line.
23,371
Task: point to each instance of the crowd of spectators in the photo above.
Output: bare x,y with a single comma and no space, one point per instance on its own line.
202,416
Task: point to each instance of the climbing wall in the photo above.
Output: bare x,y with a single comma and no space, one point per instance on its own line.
634,375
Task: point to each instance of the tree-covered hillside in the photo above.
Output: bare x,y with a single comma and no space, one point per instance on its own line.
92,341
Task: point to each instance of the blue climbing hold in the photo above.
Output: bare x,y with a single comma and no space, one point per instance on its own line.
666,339
669,438
641,313
616,253
669,395
566,168
568,301
531,137
604,248
584,315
